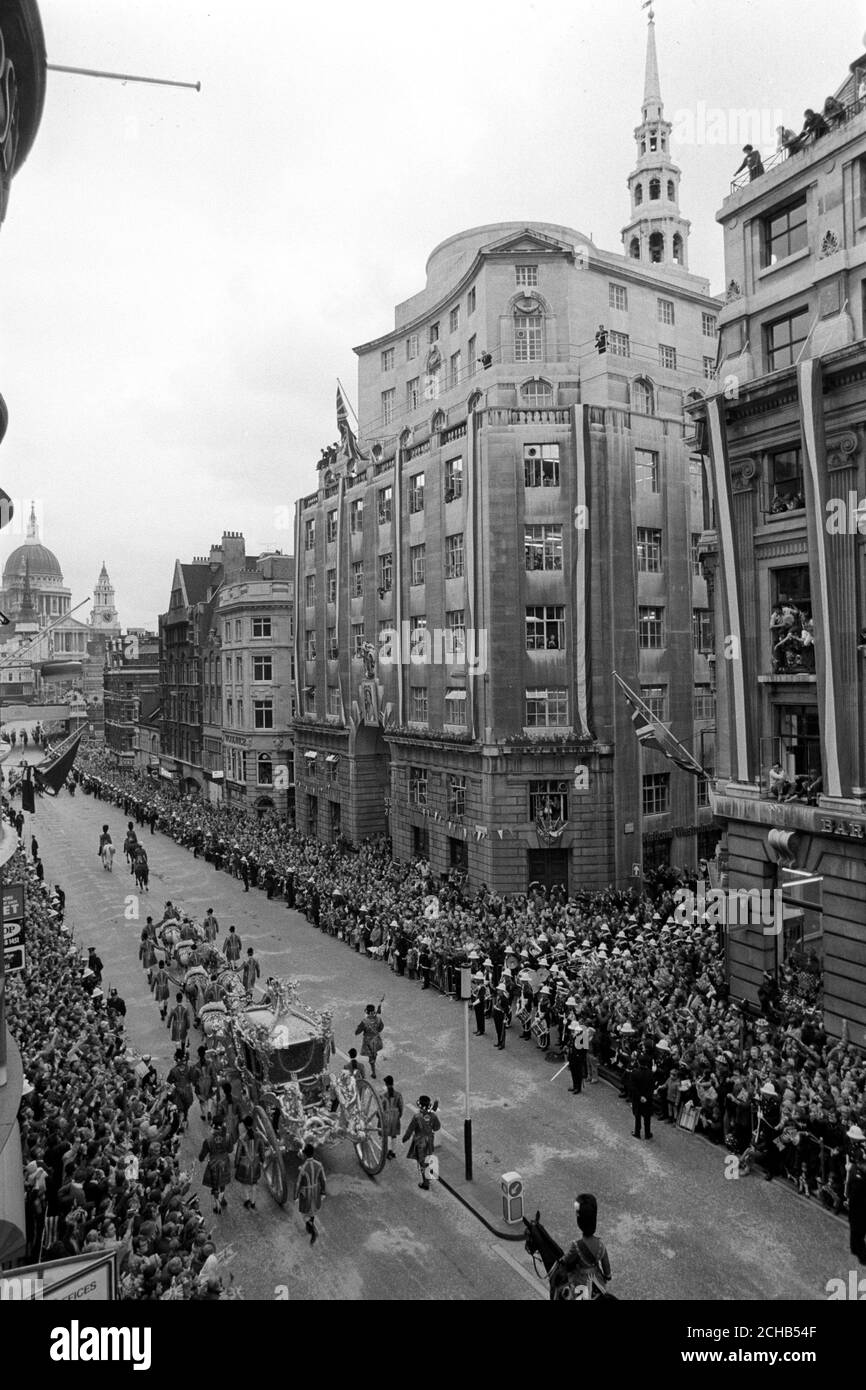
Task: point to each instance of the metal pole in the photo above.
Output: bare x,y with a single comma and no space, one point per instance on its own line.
467,1118
122,76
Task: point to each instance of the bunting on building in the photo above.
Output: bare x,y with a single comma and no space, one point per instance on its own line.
651,733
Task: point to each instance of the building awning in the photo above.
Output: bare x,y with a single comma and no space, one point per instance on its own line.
311,756
332,758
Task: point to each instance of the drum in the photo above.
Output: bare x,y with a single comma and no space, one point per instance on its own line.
523,1017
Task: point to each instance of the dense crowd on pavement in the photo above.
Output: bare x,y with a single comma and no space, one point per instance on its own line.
603,978
99,1131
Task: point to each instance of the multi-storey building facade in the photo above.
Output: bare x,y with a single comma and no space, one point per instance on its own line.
785,444
255,623
526,523
131,691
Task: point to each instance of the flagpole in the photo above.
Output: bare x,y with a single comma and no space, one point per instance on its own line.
638,704
10,660
349,403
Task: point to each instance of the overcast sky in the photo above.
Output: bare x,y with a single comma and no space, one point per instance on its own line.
183,275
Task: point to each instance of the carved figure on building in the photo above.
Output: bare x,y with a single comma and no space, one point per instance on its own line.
368,656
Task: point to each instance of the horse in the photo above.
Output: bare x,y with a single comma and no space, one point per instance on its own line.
141,869
107,855
540,1243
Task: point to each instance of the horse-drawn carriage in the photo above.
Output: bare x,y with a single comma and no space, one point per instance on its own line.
276,1054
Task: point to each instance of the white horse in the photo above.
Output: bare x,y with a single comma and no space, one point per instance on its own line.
107,855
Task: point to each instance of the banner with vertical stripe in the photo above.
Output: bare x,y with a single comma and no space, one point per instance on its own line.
718,444
581,571
397,533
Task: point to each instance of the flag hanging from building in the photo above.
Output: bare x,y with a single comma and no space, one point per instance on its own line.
651,733
51,775
349,447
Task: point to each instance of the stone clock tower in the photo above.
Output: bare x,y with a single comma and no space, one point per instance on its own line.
103,615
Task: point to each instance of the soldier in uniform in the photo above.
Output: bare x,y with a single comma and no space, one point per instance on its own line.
479,1001
499,1014
855,1192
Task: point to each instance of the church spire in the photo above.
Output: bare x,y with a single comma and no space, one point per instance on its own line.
32,525
657,232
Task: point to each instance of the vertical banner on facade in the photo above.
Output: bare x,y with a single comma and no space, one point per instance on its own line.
810,384
341,568
299,697
581,552
730,578
469,546
397,531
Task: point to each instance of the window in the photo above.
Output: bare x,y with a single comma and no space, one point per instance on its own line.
458,854
656,248
431,384
634,248
705,705
650,627
537,393
619,344
667,357
672,192
785,338
433,333
264,770
356,516
389,400
526,275
666,310
528,337
470,301
239,668
261,627
677,249
229,710
310,533
331,648
783,232
388,360
642,397
656,793
310,591
310,700
709,325
786,480
420,842
456,796
703,793
702,630
228,668
655,185
334,704
548,798
543,547
541,465
638,191
416,493
456,367
545,628
455,634
313,812
417,786
386,569
473,351
453,479
649,550
454,319
646,469
413,393
455,707
384,500
310,644
709,368
617,295
655,699
454,556
417,564
546,709
358,640
331,527
694,557
263,714
228,629
418,711
356,588
412,347
263,668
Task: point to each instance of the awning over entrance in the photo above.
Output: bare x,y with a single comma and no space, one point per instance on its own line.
311,756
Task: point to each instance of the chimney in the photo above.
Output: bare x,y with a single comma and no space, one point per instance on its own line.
233,552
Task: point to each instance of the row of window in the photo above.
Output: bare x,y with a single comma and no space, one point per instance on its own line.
655,697
263,713
548,797
413,341
259,627
236,766
651,629
263,666
666,309
649,551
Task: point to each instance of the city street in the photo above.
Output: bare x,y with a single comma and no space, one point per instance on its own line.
674,1225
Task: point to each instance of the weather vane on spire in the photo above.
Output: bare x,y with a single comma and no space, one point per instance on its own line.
648,5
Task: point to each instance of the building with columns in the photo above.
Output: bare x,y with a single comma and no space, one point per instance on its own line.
784,441
524,523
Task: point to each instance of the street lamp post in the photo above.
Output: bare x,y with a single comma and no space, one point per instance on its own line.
466,995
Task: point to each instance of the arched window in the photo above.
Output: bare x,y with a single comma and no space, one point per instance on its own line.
672,192
638,194
537,392
643,145
265,770
437,424
406,437
642,399
528,336
655,189
634,248
431,383
678,249
657,248
474,401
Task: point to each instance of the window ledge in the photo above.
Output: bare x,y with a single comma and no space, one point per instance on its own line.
801,255
555,732
790,678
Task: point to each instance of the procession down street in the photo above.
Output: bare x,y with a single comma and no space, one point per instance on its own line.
675,1225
